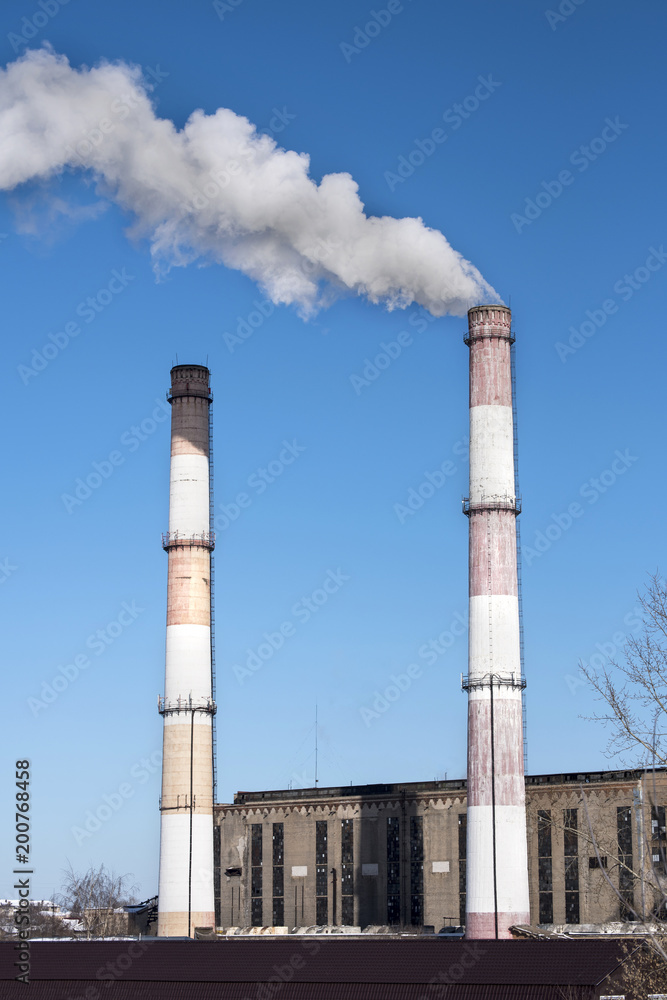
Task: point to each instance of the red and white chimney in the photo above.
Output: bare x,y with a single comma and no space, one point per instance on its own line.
185,895
497,861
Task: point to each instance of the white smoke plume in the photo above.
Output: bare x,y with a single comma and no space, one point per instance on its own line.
218,190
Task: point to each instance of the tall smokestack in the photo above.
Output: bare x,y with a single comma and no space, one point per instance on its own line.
186,898
497,862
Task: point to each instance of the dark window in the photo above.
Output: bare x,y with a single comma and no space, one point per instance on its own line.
256,874
596,862
624,824
416,870
462,867
571,833
278,846
320,880
321,849
572,908
347,870
278,911
393,870
256,882
544,867
278,881
659,839
625,874
393,909
256,833
416,910
571,874
658,823
546,908
216,875
393,879
571,852
321,872
543,833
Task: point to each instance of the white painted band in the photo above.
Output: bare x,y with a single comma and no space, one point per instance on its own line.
493,642
184,718
491,452
175,864
188,662
511,860
189,495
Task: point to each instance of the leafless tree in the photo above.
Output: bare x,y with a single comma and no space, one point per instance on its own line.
634,689
95,897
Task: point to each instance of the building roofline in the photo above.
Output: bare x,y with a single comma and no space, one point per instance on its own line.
452,786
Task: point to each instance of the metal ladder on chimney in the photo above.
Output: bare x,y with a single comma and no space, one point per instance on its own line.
518,559
211,527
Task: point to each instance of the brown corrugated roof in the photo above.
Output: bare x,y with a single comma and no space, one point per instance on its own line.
309,960
75,990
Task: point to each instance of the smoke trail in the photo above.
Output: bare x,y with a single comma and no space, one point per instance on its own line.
219,191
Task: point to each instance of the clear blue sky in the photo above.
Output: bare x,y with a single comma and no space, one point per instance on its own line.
67,574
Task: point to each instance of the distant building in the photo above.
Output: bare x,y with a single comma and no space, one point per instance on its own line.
396,853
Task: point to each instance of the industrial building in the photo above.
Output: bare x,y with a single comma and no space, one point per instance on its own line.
397,854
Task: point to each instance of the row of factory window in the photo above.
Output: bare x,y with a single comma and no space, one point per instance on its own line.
571,860
343,912
326,894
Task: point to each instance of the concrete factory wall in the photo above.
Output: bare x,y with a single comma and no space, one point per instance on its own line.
398,851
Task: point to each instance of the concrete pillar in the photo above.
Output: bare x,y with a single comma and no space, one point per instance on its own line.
497,862
186,898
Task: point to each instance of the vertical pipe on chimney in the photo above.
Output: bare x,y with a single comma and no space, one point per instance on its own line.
185,895
497,862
